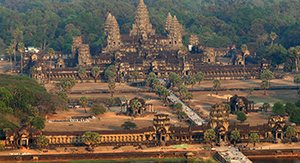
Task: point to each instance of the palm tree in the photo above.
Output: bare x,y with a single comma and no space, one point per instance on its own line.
273,37
216,85
112,87
82,73
83,102
10,51
295,51
95,72
21,49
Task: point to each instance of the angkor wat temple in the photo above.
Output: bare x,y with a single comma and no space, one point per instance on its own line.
143,51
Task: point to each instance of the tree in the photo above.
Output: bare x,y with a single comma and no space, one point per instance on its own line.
135,104
241,116
199,77
295,52
178,106
216,85
10,51
254,138
295,116
210,136
82,73
265,85
2,147
38,123
175,80
162,92
95,73
128,125
235,136
273,37
83,102
266,76
151,77
297,80
42,142
111,73
290,133
278,109
66,84
192,81
266,107
91,139
290,108
111,88
98,109
21,49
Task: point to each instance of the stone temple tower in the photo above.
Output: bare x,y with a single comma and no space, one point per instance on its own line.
175,33
219,120
112,31
142,28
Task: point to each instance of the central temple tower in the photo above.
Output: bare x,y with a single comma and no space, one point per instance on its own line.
142,28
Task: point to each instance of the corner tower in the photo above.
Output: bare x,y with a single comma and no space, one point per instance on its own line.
142,28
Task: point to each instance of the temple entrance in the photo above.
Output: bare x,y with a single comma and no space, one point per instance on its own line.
161,136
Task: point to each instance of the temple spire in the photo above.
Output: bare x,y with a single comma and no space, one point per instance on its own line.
142,26
175,33
112,30
168,22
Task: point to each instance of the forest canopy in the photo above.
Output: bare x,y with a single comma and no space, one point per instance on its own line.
24,101
218,23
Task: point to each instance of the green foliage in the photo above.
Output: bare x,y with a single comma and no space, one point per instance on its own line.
254,138
38,123
235,136
199,77
177,106
152,80
83,101
98,109
290,132
295,116
241,116
26,100
65,84
128,125
95,73
278,109
210,136
162,92
42,142
91,138
266,75
2,147
290,108
110,73
175,80
216,85
297,79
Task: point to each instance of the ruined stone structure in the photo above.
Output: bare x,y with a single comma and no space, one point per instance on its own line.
143,51
238,103
138,107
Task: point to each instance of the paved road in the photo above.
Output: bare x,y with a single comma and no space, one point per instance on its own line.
232,154
188,111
